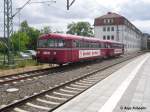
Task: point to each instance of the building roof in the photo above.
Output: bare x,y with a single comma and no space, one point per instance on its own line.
117,20
110,15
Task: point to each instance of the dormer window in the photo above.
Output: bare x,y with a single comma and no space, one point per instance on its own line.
108,21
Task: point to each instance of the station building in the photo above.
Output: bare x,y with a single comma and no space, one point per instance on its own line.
115,27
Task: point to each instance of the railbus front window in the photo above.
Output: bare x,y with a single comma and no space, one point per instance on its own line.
56,43
42,43
51,43
61,43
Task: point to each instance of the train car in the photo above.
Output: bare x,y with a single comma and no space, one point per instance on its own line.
61,49
114,48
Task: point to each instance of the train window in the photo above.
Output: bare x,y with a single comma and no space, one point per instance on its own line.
102,45
42,43
54,43
77,44
68,43
61,43
108,46
51,43
115,45
81,44
86,45
74,44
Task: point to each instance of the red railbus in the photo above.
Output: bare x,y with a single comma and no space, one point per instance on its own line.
62,48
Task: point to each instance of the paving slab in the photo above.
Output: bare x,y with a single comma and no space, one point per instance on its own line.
128,87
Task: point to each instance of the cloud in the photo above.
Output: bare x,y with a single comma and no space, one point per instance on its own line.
56,15
137,10
144,25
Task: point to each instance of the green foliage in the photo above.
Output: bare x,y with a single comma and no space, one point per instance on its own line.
58,32
46,30
3,47
20,64
32,33
25,63
24,27
20,41
80,28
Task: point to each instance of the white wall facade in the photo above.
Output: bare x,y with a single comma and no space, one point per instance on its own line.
121,33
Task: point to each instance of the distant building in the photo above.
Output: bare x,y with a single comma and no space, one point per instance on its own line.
145,40
113,26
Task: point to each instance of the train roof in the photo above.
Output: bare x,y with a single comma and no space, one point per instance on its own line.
73,37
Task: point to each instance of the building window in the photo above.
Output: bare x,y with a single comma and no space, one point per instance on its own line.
105,20
109,21
108,37
104,28
112,28
108,28
112,20
112,37
104,37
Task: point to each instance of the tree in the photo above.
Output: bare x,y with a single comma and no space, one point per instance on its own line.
57,31
33,36
32,33
46,30
3,47
20,41
24,27
80,28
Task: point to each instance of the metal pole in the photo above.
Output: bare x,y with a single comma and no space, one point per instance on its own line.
4,35
8,29
67,4
19,32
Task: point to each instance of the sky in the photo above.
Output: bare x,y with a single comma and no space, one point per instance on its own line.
57,16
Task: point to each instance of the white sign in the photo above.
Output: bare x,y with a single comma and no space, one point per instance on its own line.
88,53
116,51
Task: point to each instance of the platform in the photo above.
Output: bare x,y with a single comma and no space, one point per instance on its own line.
126,90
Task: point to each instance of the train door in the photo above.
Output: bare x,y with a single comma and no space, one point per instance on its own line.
69,50
74,51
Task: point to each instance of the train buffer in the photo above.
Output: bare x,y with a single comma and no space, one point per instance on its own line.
127,89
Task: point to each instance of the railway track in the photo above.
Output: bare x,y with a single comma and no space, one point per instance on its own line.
31,74
5,80
49,100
